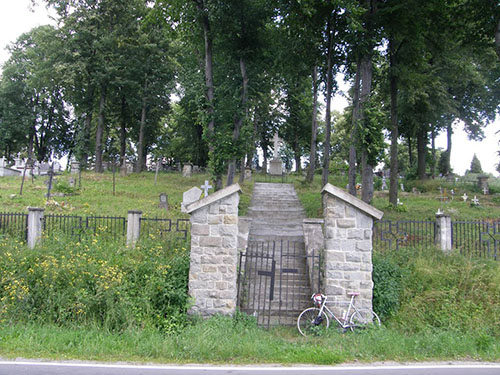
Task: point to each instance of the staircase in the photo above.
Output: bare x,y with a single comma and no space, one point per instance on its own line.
276,230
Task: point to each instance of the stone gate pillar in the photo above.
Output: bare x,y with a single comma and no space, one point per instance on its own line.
214,254
348,233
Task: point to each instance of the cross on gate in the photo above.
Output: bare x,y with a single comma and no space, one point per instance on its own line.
205,187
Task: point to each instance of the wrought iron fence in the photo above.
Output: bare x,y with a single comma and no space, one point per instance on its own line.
163,227
477,238
14,225
109,225
389,234
68,224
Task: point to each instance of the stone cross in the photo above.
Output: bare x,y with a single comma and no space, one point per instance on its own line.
475,201
276,141
402,187
465,197
485,190
205,188
384,183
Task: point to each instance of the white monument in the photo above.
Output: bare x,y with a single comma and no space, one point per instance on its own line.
276,164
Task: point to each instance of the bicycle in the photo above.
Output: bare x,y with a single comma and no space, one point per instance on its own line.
315,319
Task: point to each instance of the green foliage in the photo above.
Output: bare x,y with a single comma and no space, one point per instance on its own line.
95,282
447,292
387,285
475,165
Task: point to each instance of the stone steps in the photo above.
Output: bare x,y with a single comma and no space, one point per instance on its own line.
277,217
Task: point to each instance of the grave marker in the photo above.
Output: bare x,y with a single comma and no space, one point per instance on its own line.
190,196
465,197
163,201
206,186
475,201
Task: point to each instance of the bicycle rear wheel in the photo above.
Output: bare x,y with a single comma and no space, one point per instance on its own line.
310,322
363,319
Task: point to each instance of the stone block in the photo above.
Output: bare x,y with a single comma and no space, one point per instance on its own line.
230,219
353,257
355,275
210,241
214,230
200,230
364,245
346,223
215,219
214,208
364,221
334,256
228,230
368,234
221,285
229,242
357,234
200,216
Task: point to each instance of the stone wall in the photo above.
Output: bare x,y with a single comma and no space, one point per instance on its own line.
348,232
214,255
314,246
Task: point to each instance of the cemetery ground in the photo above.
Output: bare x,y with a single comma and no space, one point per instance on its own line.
97,299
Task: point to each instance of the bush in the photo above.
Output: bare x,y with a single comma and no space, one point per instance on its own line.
95,282
387,280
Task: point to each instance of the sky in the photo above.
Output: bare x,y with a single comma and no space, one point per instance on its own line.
18,16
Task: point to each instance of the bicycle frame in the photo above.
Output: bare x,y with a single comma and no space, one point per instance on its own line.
344,321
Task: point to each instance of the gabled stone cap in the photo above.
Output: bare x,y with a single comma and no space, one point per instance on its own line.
353,201
218,195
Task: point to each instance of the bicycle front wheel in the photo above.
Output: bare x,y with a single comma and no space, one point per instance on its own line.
311,322
364,318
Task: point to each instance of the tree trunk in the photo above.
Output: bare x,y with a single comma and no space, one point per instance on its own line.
421,151
328,120
314,128
356,118
433,140
366,167
209,85
411,162
393,182
123,138
99,132
367,178
449,133
140,144
239,119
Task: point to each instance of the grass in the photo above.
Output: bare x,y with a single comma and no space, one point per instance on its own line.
446,308
221,340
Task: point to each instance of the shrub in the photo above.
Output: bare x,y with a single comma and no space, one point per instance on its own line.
387,280
95,282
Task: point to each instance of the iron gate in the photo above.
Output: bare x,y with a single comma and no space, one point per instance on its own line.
276,280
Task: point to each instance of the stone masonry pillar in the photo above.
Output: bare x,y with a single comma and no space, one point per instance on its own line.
443,233
133,227
35,217
348,230
214,254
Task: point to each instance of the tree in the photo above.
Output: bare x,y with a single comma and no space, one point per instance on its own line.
475,165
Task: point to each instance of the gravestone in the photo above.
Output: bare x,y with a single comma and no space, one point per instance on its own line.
276,164
402,187
190,196
71,182
18,163
248,173
75,167
187,170
482,183
2,162
465,197
163,201
475,201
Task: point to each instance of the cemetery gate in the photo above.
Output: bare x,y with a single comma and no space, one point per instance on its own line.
276,280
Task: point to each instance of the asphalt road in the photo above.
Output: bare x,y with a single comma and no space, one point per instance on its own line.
73,368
